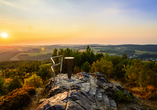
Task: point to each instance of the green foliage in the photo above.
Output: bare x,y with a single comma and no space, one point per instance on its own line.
103,66
124,56
29,66
88,56
85,67
15,83
10,64
17,99
141,74
33,81
2,86
120,96
6,73
99,56
44,71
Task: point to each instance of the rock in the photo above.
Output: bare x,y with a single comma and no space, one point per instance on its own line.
98,74
106,101
59,99
83,76
75,87
57,107
73,106
93,86
99,94
92,91
88,96
117,85
55,91
101,82
83,91
85,87
113,104
47,107
80,99
41,101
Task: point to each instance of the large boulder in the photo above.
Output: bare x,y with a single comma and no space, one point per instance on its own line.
84,91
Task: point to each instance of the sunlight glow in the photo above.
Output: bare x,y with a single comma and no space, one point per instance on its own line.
4,35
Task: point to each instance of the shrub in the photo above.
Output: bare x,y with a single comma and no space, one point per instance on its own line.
15,83
152,95
2,86
44,71
17,99
103,66
85,67
76,69
30,90
33,81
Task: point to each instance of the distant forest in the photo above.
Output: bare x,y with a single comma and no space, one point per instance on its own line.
42,53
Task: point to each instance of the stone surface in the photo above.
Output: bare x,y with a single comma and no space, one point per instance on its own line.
99,94
106,101
83,91
85,87
113,104
59,99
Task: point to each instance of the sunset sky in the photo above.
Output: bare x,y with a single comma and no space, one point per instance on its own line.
38,22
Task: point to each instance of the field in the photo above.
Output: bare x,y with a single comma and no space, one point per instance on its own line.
138,52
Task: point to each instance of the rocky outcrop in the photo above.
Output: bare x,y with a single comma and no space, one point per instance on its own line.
84,91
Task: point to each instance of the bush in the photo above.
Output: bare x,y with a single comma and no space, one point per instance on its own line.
85,67
15,83
44,71
33,81
103,66
152,96
2,86
17,99
30,90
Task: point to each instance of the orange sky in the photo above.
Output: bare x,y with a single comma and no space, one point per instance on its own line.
77,22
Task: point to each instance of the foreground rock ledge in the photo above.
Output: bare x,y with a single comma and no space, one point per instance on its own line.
84,91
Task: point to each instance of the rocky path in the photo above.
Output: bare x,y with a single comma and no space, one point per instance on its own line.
83,91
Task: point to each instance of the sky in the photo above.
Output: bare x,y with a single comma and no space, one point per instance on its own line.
48,22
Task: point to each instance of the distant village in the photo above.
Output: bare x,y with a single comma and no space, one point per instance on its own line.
146,59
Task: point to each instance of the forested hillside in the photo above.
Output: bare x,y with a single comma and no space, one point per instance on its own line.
22,74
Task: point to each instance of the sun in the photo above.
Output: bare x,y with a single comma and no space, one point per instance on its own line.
4,35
